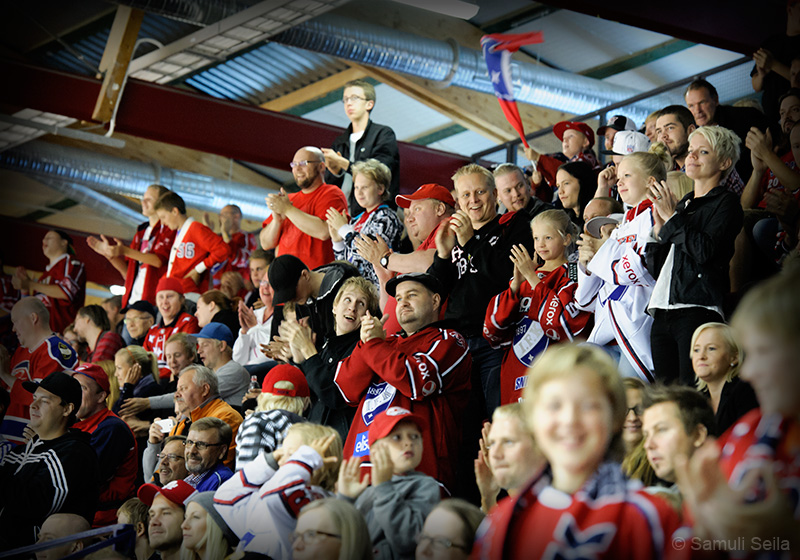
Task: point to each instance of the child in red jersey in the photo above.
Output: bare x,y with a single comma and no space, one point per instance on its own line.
580,505
196,249
537,309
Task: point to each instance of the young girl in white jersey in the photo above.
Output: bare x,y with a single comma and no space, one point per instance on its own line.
613,281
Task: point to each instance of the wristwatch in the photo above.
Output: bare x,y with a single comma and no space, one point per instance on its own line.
385,261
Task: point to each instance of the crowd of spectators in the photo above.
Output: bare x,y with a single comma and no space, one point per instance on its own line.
579,359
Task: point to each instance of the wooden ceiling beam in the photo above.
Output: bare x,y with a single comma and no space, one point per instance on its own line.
115,61
313,91
479,112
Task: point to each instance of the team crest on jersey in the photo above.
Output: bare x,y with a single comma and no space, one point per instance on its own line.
529,340
569,541
65,350
379,397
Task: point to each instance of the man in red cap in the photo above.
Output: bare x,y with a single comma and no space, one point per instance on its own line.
62,287
426,208
112,439
167,507
577,140
54,472
174,318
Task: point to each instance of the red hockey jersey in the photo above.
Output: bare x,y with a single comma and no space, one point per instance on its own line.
156,338
68,274
53,354
528,321
427,373
242,244
607,518
196,247
157,241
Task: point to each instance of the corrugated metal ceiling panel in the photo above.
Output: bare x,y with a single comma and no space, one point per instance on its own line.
265,73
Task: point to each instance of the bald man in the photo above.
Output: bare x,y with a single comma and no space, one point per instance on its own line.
297,225
41,352
57,526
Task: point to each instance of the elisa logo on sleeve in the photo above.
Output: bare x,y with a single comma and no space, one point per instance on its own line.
361,448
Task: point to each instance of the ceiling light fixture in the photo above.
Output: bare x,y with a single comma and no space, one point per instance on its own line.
454,8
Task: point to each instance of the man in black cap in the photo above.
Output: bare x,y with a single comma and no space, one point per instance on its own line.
314,291
615,124
55,472
139,317
424,369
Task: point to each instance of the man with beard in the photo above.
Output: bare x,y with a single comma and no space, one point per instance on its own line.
673,126
206,449
297,225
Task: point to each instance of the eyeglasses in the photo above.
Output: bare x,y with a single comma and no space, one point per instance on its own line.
352,99
439,543
201,445
128,320
637,410
302,163
311,536
171,456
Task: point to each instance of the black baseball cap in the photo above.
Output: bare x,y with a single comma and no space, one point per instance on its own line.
61,384
143,306
283,274
427,280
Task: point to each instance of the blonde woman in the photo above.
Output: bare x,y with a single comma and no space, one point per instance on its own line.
206,536
716,359
331,529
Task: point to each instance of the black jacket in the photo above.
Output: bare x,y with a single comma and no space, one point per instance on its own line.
379,142
328,406
45,477
477,272
703,232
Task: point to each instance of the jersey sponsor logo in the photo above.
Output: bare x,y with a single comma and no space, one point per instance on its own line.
361,447
525,304
378,398
428,388
520,382
627,239
551,311
627,269
185,250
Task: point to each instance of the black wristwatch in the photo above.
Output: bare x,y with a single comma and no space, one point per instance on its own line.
385,261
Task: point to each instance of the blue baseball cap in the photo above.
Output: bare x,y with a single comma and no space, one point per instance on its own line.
217,331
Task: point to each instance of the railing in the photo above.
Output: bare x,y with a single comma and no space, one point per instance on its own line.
122,535
510,147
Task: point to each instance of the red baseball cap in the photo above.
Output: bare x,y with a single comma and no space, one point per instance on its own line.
431,190
286,372
560,127
385,422
169,283
178,492
93,371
